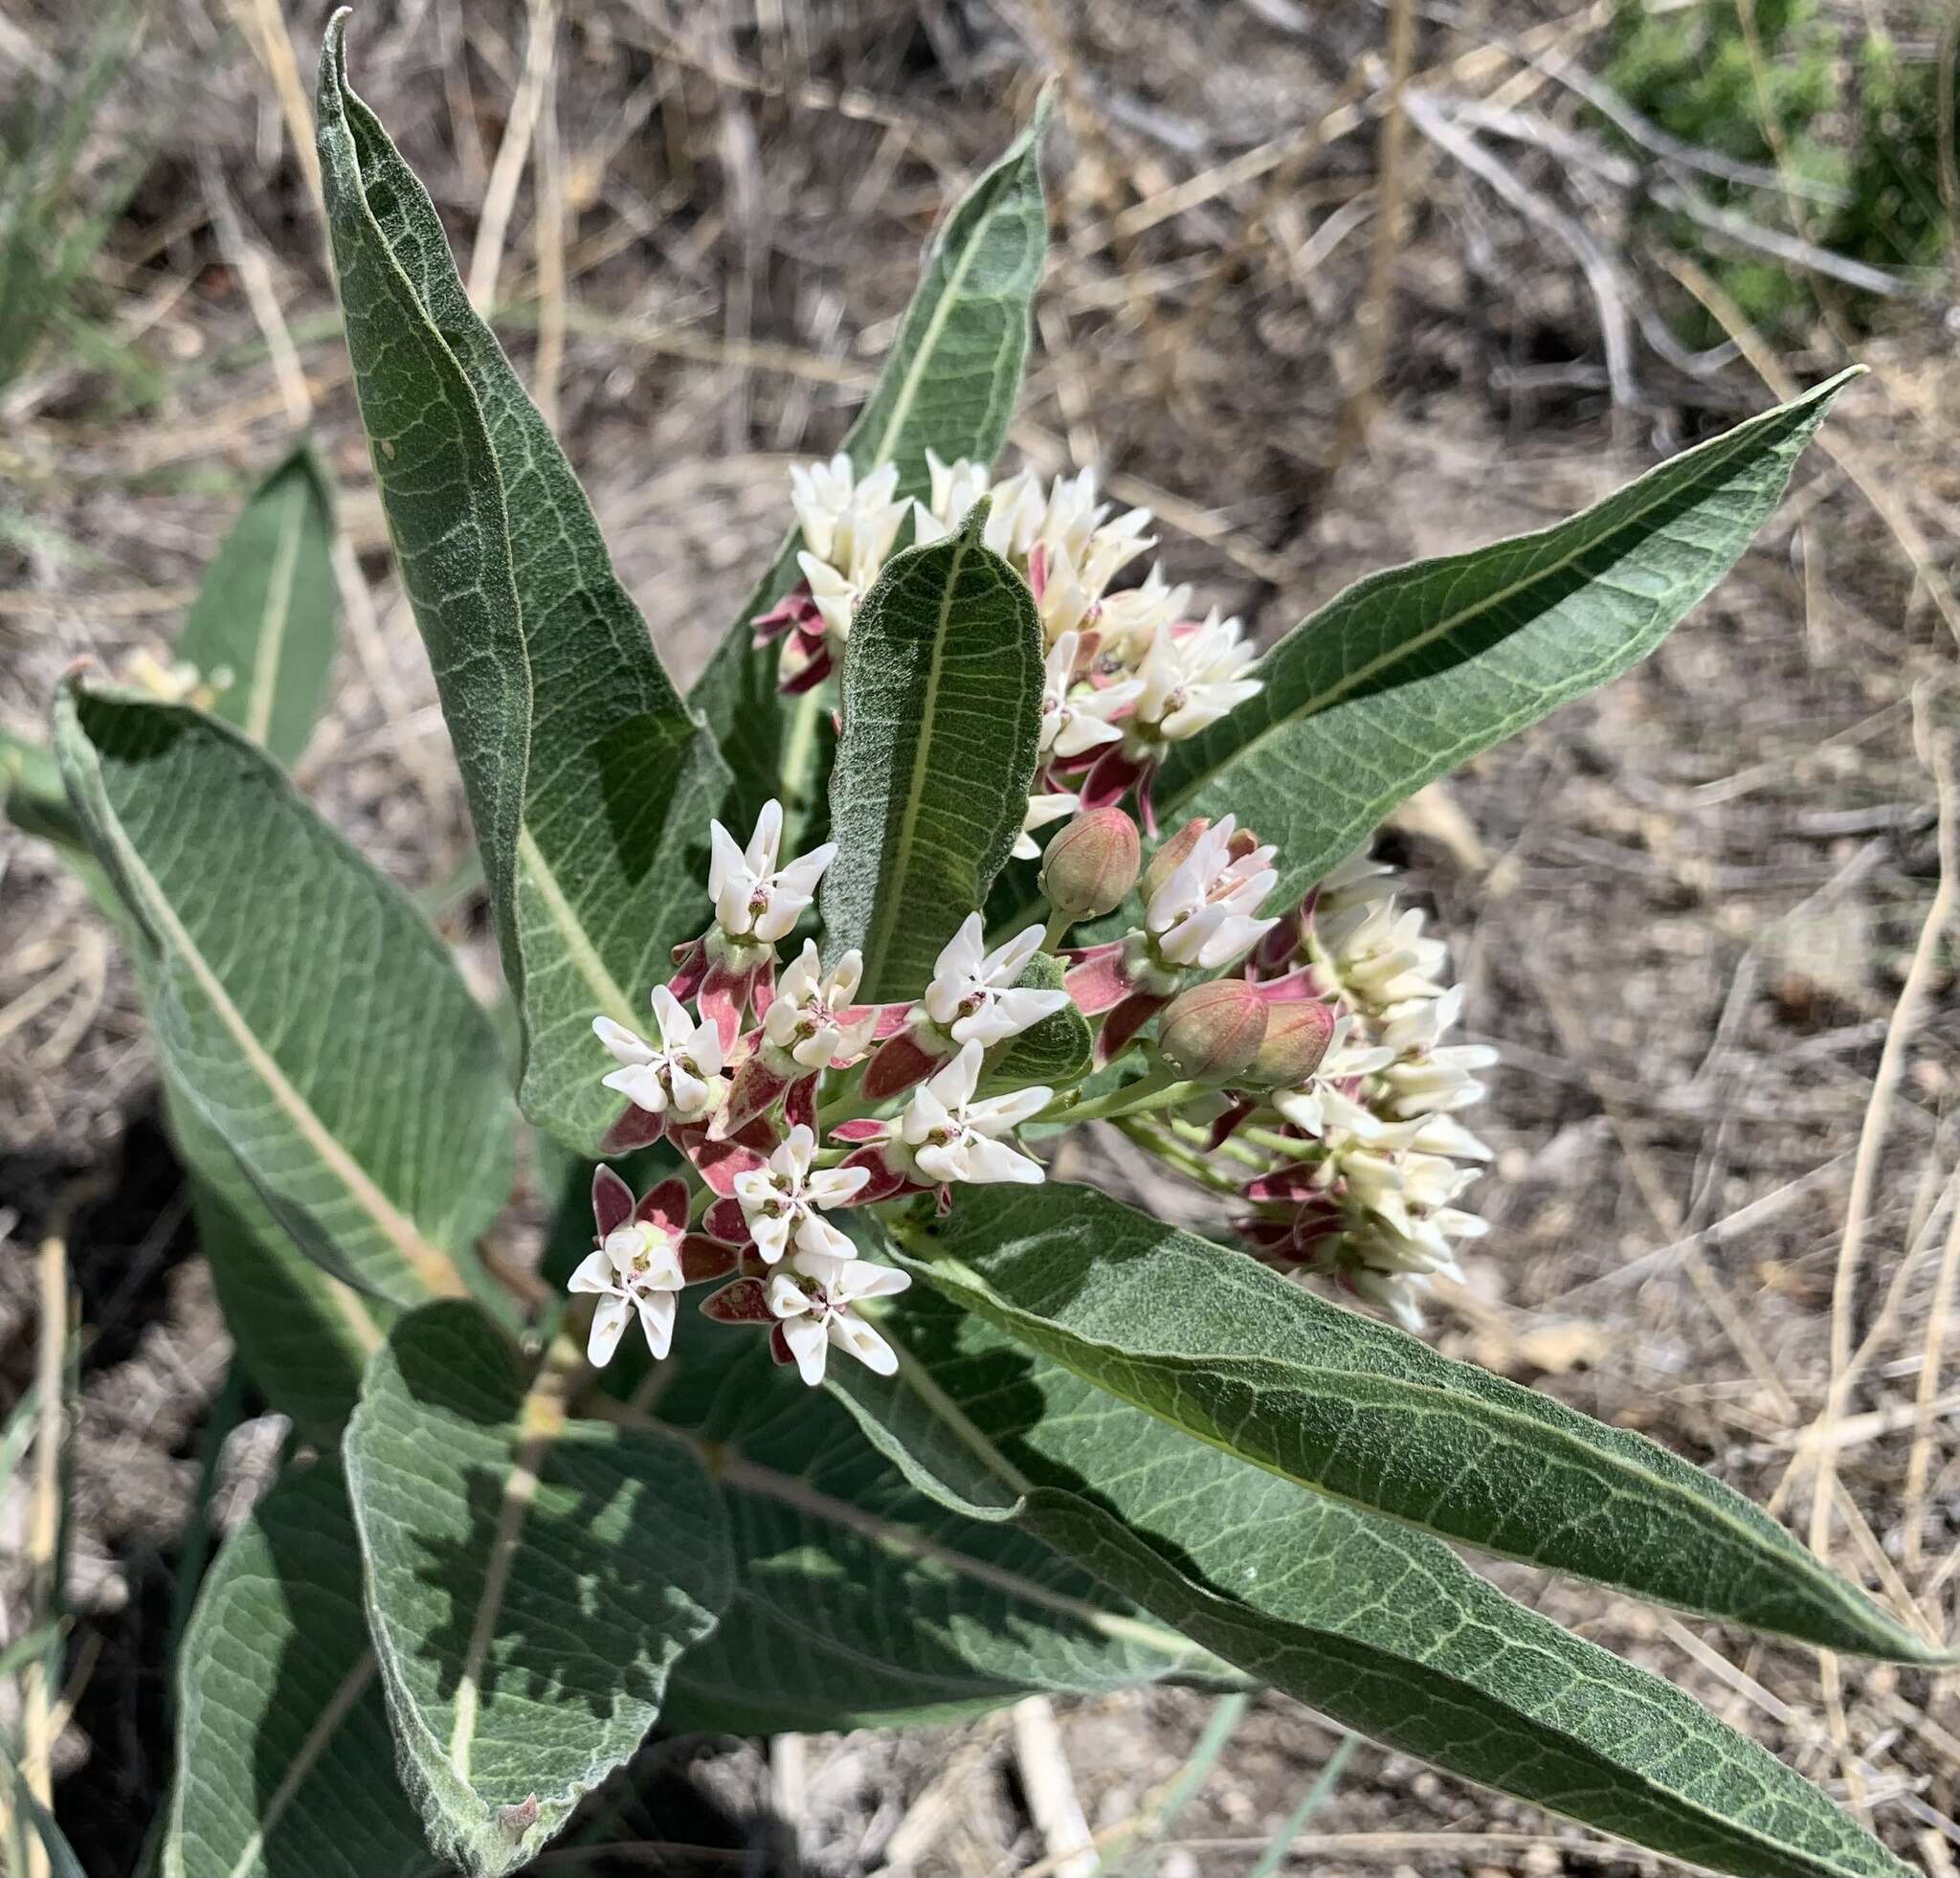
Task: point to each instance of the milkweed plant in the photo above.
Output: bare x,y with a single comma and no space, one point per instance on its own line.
832,1402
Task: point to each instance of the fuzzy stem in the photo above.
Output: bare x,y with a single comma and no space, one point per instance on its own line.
1188,1161
1162,1088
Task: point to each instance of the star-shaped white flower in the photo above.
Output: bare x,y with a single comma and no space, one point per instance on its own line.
1077,717
972,993
1205,915
783,1200
1192,676
950,1136
1041,811
678,1074
755,899
813,1302
847,521
807,1021
636,1269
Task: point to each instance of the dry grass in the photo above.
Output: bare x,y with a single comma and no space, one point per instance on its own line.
1706,914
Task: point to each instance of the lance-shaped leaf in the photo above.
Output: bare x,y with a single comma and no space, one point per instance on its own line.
299,1005
285,1767
1223,1347
857,1600
942,713
1377,1626
1410,672
266,619
530,1582
949,384
590,783
303,1337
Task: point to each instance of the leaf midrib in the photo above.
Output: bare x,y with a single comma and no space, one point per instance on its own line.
1115,1360
271,640
889,907
430,1265
1405,649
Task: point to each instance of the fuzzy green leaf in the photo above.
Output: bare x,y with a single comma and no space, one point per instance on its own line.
589,781
1411,671
530,1582
268,613
942,712
284,1764
1224,1347
858,1602
949,384
1377,1626
299,1005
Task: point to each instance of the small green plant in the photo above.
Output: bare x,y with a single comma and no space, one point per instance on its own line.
946,1429
1841,145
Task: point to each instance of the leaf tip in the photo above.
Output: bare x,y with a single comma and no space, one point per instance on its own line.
333,63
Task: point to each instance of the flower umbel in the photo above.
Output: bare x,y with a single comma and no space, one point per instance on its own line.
678,1077
783,1202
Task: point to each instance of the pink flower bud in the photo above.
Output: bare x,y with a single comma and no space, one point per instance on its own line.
1298,1032
1173,853
1212,1032
1092,865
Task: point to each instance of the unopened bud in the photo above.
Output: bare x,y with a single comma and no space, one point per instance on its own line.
1298,1033
1213,1032
1174,853
1092,865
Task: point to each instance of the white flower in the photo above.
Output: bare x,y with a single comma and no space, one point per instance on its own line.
1138,615
806,1021
1014,516
812,1303
637,1268
956,486
972,991
1398,1295
1041,811
952,1137
1322,1102
1205,915
1076,718
1381,957
783,1200
753,898
847,521
836,597
1191,678
679,1073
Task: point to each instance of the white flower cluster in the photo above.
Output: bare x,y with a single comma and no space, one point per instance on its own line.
1129,672
1383,1104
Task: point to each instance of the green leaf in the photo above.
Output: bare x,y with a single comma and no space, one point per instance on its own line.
530,1582
1411,671
948,384
590,783
302,1009
268,613
859,1603
1056,1051
303,1337
1224,1347
942,712
1379,1628
285,1768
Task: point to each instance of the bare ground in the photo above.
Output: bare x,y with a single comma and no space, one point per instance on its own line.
1685,909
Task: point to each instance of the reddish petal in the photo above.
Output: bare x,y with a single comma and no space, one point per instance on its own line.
891,1018
779,1346
794,684
1099,980
886,1181
1109,778
665,1206
1147,807
1292,1182
899,1065
754,1093
862,1128
1121,1026
637,1127
722,996
690,967
1298,984
611,1200
725,1220
800,1103
744,1302
703,1258
719,1162
762,988
1227,1125
1038,571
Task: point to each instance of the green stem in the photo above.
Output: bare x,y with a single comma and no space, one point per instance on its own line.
1174,1153
1059,923
1162,1088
